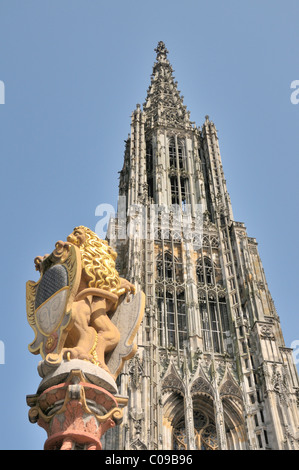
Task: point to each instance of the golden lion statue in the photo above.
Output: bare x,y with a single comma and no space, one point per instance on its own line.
90,334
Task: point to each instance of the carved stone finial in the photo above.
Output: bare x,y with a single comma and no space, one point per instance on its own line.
161,50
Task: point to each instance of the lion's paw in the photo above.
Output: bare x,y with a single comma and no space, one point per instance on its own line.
76,353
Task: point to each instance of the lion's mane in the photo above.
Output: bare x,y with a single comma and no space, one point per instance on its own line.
98,262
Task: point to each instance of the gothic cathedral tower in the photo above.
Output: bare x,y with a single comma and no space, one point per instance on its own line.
212,370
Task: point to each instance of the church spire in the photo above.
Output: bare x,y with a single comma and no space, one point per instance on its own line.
164,104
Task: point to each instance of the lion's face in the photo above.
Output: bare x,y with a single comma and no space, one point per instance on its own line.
98,259
77,237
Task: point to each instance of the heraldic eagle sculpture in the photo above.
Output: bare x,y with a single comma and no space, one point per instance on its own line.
81,308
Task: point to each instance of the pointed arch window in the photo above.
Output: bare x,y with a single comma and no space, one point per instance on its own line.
209,270
200,272
214,322
149,168
172,318
181,155
213,308
177,154
165,267
149,157
204,431
172,154
174,188
169,268
204,271
210,322
171,303
179,183
205,323
223,313
170,310
184,192
181,318
179,188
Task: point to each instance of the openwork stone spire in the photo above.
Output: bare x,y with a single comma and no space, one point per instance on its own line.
212,357
164,104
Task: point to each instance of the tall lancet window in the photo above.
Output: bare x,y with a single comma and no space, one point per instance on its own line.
172,154
179,183
149,169
204,271
184,192
181,155
177,154
213,309
171,304
174,188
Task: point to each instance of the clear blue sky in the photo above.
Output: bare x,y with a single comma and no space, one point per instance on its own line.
73,73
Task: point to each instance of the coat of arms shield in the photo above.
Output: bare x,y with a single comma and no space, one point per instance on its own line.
49,300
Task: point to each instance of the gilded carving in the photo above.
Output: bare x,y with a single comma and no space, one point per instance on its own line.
80,308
